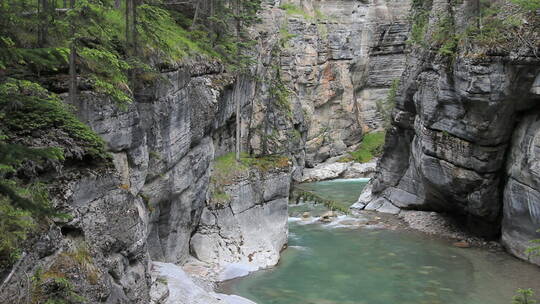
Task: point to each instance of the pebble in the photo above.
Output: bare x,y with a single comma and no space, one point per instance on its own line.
462,244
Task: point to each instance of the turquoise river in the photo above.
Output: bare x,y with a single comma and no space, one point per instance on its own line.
329,264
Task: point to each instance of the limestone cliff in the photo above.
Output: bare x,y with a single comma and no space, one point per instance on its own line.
463,133
309,95
340,58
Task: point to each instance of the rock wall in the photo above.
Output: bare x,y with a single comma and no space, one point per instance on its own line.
152,201
147,204
453,147
340,58
521,217
250,226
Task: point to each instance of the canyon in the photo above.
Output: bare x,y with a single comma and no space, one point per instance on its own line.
462,139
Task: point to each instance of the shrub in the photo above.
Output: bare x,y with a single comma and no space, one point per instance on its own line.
294,10
385,107
420,20
26,107
535,250
53,288
15,224
370,147
523,297
227,170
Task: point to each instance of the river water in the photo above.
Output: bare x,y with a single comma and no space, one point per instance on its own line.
331,264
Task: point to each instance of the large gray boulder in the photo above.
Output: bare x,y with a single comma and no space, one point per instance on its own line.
250,228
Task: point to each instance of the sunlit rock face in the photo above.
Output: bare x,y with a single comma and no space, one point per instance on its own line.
340,59
250,226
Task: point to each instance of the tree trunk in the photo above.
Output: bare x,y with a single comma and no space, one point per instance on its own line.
238,124
72,58
44,23
478,15
196,15
129,3
131,38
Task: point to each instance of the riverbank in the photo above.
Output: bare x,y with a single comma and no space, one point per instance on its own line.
379,259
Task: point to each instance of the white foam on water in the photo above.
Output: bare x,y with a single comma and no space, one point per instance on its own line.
304,221
294,236
344,180
301,248
309,221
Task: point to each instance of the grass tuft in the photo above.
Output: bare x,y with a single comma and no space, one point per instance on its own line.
227,170
370,147
294,10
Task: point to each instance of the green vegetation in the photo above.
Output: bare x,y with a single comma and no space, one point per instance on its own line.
320,15
534,250
280,93
80,257
54,284
27,108
15,224
30,112
370,147
529,5
420,20
294,10
493,28
444,37
285,36
111,43
309,196
226,170
524,297
386,106
112,47
53,288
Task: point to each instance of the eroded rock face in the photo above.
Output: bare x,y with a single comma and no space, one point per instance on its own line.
450,139
521,199
340,60
250,227
446,149
148,202
151,203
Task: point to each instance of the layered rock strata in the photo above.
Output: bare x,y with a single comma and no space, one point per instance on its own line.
340,58
250,226
152,201
462,140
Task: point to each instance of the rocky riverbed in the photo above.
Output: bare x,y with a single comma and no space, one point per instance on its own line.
366,254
